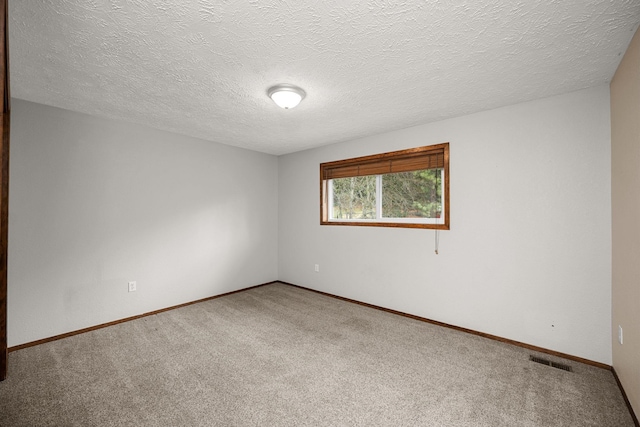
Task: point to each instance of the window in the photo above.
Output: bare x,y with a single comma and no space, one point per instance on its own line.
408,188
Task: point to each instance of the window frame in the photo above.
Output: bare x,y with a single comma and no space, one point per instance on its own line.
428,150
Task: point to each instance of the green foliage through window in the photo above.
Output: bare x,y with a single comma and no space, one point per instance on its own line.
354,197
416,194
407,188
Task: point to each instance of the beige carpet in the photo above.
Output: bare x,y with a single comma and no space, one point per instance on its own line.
282,356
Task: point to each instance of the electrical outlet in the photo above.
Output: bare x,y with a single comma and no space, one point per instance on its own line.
317,268
620,334
132,286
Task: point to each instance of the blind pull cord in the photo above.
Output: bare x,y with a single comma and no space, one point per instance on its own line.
437,232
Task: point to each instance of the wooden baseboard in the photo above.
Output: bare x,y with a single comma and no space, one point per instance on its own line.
388,310
461,329
493,337
127,319
624,395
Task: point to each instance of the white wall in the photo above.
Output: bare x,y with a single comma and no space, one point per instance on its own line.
528,256
96,203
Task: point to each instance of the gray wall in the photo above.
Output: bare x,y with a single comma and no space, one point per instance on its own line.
96,203
528,256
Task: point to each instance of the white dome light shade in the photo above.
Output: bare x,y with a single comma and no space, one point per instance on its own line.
286,96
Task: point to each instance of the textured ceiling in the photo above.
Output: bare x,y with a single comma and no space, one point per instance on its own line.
202,68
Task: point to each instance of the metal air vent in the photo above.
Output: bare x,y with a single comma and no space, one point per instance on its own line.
556,365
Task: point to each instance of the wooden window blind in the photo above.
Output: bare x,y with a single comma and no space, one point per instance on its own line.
432,157
414,159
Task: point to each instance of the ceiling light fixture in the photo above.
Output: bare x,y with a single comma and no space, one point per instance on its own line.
286,96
